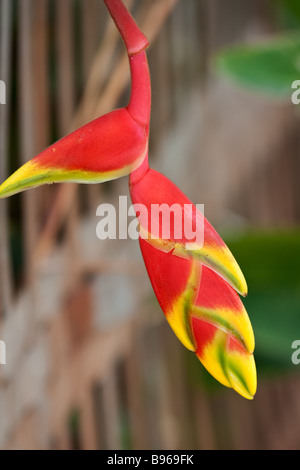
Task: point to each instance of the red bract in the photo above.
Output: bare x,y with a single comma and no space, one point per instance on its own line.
193,276
207,316
154,191
110,146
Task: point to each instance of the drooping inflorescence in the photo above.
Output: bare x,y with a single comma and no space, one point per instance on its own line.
195,279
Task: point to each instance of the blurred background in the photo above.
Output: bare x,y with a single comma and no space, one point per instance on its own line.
90,360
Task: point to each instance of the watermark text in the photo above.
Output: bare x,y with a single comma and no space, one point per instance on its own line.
2,353
296,93
180,222
2,92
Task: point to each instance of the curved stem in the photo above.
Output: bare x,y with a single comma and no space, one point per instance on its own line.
135,41
137,175
140,99
139,105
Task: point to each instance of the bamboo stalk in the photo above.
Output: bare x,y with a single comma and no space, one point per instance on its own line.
5,66
65,64
27,128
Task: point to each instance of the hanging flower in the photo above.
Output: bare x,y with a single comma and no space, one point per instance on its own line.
195,278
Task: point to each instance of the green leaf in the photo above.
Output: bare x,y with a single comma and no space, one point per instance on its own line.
270,66
292,7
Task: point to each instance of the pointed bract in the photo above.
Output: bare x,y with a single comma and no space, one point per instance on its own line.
156,192
206,315
217,302
106,148
224,357
175,282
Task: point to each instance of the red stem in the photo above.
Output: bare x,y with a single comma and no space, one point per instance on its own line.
140,100
140,104
137,175
134,39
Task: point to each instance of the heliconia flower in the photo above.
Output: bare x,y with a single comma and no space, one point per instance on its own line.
207,316
108,147
151,189
194,276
